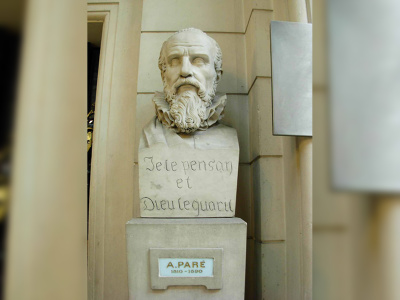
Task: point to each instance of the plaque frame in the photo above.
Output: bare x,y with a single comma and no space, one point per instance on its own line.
161,283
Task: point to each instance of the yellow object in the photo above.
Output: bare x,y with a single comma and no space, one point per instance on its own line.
89,140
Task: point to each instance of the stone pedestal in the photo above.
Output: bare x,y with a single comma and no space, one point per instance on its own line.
186,258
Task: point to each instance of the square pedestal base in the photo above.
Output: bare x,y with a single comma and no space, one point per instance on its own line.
186,258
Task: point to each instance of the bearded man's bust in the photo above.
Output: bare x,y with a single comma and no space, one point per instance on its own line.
188,161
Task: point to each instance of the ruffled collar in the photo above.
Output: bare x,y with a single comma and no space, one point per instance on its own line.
215,111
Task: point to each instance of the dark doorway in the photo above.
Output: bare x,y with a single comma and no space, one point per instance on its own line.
9,59
94,44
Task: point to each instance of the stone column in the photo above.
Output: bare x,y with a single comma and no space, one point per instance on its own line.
298,13
46,253
384,250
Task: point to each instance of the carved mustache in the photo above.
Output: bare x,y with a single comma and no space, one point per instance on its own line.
190,81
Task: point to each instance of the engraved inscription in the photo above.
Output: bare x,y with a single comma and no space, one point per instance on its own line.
196,206
187,183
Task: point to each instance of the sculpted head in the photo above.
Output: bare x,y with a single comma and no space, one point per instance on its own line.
191,67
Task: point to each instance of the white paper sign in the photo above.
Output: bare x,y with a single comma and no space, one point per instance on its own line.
186,267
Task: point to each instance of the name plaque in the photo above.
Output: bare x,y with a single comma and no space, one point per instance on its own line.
186,267
193,266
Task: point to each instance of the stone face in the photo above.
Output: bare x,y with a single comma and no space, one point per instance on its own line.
189,241
188,175
232,46
191,66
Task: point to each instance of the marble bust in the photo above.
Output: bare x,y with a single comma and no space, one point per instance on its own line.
189,109
188,161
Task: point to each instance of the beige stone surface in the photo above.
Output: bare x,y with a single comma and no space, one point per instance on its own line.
332,265
207,15
136,198
145,111
281,11
271,279
250,5
320,51
328,208
258,58
251,268
305,155
233,49
189,175
269,201
226,233
244,205
233,53
262,142
237,116
295,236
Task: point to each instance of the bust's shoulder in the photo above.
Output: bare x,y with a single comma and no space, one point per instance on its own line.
152,133
221,128
218,136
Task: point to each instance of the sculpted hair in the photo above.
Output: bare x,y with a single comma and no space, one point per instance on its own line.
162,64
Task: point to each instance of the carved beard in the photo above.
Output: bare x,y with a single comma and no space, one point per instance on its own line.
188,111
